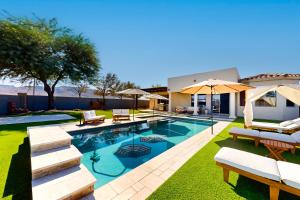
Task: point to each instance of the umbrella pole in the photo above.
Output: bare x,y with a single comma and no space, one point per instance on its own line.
211,105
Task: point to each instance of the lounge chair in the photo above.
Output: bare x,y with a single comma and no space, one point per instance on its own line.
121,114
289,126
180,109
91,117
279,175
293,139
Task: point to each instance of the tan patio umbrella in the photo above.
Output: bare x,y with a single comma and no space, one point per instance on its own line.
215,86
135,92
155,96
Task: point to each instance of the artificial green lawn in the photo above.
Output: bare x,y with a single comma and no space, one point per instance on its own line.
14,155
200,178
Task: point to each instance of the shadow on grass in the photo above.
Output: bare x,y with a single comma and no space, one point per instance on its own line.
18,183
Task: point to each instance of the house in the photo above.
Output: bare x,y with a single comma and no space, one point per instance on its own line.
271,106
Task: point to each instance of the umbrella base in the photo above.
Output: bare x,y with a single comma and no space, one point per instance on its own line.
130,150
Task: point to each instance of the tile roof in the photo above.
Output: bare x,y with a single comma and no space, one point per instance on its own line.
270,76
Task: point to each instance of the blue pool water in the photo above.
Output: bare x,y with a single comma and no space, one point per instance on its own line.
103,146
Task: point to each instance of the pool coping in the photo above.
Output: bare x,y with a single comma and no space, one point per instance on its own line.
140,182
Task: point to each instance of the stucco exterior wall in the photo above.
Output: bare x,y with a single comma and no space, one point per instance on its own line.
280,112
175,84
179,99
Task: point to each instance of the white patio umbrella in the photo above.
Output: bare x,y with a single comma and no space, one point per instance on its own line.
135,92
215,86
155,96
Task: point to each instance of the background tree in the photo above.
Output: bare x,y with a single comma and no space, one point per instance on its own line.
80,88
107,85
40,49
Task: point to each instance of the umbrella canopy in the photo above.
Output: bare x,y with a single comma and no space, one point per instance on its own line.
134,91
155,96
216,87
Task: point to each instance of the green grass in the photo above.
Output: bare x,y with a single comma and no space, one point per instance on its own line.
200,178
15,181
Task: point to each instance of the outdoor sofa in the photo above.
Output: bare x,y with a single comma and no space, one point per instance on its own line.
289,126
279,175
293,139
91,117
121,114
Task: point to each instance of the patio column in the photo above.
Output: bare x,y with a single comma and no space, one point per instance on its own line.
170,102
195,104
232,106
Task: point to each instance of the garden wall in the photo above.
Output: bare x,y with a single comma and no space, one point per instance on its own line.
35,103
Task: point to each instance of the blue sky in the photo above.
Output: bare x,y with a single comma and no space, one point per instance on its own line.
148,41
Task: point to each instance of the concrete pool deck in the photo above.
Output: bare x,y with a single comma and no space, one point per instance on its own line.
140,182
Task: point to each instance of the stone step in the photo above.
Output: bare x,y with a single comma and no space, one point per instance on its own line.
50,137
72,183
51,161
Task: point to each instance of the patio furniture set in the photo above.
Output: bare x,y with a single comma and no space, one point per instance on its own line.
272,170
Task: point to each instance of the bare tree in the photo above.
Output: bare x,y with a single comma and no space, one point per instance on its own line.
106,85
80,88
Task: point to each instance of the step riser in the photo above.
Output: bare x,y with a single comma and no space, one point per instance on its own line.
56,168
81,193
44,147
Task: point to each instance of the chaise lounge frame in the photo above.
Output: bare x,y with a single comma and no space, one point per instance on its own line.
274,186
257,140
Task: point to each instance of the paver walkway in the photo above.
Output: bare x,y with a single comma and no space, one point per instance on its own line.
145,179
33,118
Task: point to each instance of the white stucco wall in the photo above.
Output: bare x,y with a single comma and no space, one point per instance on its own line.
175,84
280,112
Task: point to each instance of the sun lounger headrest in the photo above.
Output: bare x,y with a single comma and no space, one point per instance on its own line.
86,115
286,123
289,173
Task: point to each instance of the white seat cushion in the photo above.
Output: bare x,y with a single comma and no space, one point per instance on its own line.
278,137
296,121
291,126
296,136
86,115
286,123
92,113
289,173
266,125
117,111
249,162
246,132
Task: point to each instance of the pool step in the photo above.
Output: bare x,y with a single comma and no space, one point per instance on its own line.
49,137
72,183
54,160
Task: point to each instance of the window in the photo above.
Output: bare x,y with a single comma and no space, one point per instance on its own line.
201,100
289,103
242,98
268,100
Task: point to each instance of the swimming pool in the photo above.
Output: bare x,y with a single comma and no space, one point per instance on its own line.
103,150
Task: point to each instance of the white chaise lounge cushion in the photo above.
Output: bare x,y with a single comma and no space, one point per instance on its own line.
289,173
249,162
86,115
286,123
246,132
277,136
266,125
296,136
